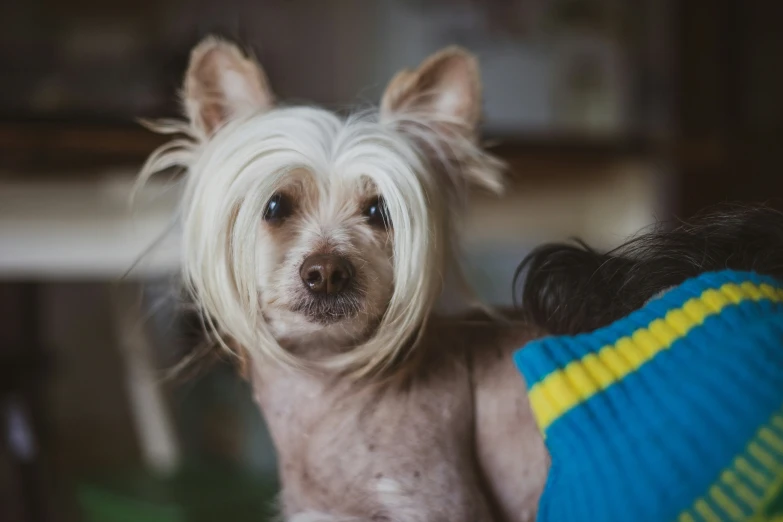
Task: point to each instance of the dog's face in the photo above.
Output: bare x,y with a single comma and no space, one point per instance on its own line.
325,268
310,233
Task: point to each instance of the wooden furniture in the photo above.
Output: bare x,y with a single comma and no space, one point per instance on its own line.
22,413
728,125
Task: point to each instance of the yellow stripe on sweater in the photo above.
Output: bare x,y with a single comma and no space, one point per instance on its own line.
739,476
564,389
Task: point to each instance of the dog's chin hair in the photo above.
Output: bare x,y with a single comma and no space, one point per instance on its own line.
224,200
329,310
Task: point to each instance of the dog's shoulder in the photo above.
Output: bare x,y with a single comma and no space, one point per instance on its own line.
480,331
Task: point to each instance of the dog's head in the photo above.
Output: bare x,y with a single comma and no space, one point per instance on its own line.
313,236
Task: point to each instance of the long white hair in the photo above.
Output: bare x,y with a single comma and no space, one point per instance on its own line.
420,171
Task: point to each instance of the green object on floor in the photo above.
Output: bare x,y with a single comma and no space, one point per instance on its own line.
193,495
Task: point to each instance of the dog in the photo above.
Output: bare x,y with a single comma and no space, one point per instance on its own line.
316,247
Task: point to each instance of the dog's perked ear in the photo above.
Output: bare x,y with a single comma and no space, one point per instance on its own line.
445,88
222,83
443,96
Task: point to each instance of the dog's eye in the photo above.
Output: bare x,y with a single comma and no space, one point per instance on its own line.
278,207
377,214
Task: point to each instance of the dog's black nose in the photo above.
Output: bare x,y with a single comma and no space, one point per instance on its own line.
326,273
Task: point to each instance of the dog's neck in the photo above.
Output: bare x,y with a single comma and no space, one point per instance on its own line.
291,398
287,397
317,346
339,441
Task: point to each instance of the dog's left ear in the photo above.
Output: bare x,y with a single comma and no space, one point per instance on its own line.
445,90
444,95
222,83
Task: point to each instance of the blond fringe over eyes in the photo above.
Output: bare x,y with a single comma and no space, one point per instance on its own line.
232,175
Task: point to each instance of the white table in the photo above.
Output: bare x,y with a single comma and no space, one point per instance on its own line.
87,231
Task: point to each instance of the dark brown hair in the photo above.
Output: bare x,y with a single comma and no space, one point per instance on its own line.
566,288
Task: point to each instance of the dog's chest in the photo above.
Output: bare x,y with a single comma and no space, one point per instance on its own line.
375,453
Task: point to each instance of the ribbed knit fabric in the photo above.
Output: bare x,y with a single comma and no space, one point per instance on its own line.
672,413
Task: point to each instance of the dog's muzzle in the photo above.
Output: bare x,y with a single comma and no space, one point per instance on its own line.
332,293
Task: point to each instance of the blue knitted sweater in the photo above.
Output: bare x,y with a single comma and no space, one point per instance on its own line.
674,412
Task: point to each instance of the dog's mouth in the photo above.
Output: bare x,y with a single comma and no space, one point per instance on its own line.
329,309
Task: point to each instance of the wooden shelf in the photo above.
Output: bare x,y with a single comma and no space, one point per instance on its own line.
61,148
77,149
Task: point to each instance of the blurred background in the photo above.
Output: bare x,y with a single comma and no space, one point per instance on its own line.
611,114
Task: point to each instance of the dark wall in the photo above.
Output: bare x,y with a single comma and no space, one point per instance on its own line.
729,108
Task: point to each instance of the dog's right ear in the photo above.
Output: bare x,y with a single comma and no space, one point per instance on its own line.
222,83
